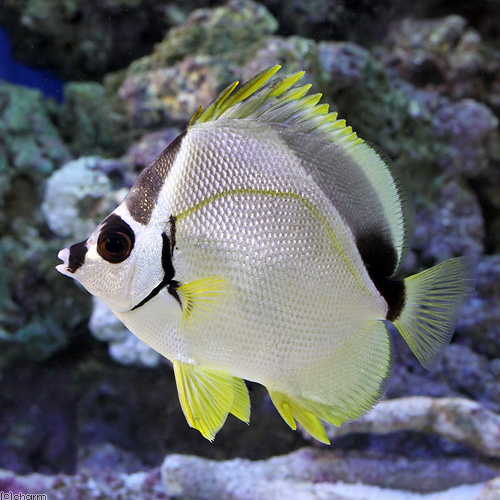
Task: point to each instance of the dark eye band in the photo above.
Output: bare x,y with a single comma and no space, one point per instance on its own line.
116,240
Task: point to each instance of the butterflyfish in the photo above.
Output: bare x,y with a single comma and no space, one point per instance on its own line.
263,244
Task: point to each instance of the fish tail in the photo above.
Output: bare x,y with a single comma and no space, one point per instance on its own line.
432,307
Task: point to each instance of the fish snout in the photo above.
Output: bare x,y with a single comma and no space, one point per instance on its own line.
64,256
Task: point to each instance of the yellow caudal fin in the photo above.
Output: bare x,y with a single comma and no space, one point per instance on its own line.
432,307
199,297
208,396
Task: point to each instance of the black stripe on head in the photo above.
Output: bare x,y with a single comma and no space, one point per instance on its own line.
142,198
380,258
77,254
168,277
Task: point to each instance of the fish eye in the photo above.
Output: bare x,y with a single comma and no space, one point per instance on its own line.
114,246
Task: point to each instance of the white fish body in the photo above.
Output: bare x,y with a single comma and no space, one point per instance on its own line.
263,241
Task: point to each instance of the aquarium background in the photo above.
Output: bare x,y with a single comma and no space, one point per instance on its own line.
90,93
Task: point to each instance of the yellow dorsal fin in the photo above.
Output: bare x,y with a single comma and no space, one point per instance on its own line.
278,102
199,297
208,396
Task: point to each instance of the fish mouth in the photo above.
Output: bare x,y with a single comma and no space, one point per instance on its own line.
64,256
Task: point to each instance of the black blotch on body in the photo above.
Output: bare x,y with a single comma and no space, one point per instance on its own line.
168,277
380,258
77,254
142,198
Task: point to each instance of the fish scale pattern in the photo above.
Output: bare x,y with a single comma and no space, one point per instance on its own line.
296,289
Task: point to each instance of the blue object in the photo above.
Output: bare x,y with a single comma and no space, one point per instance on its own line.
20,74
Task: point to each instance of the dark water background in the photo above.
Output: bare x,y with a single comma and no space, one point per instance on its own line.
15,72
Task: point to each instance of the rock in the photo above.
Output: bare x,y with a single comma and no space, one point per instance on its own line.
451,226
145,485
230,32
148,485
294,53
317,474
457,419
85,120
470,373
171,95
124,346
363,23
480,321
77,198
393,114
82,41
193,64
491,490
444,54
469,128
144,151
33,323
31,145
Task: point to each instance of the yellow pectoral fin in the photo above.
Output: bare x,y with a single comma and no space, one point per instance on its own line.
208,396
292,409
199,297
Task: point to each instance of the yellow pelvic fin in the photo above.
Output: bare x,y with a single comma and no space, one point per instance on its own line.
208,396
292,409
199,297
433,301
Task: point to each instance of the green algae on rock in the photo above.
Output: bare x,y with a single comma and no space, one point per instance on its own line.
32,325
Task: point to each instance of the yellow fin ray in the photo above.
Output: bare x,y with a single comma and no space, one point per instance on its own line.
353,383
207,396
199,297
433,301
294,410
206,115
277,102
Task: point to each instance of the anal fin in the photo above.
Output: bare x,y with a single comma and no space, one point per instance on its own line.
352,384
292,410
208,396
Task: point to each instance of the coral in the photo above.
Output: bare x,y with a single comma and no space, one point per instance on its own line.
457,419
145,485
193,63
83,40
480,321
453,225
85,122
319,474
78,196
33,324
445,54
229,33
468,372
468,128
124,347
